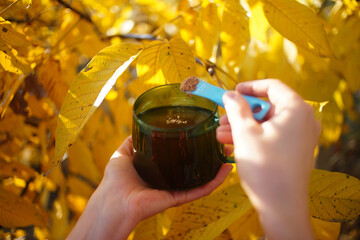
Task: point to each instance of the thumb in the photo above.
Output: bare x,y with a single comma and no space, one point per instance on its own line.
239,112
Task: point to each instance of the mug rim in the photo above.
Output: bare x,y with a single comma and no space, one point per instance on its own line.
180,129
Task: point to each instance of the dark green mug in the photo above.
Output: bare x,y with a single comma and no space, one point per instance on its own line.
174,138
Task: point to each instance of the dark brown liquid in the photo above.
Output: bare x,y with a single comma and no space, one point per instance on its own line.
181,157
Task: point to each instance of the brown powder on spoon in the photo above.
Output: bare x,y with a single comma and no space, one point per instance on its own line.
189,84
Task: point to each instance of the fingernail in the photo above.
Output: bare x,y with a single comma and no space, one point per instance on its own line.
229,96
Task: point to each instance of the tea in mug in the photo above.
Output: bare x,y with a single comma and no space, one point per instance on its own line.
179,150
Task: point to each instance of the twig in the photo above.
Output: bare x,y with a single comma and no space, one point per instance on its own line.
10,5
132,36
82,15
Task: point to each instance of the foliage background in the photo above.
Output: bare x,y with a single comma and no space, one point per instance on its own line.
46,43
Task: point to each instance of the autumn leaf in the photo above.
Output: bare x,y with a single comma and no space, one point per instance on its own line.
148,65
13,38
49,76
150,228
11,62
208,30
235,34
177,61
206,218
17,212
334,196
324,230
299,24
10,169
247,227
87,92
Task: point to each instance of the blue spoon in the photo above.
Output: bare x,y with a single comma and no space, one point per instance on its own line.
198,87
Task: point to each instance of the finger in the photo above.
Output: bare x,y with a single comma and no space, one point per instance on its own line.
239,113
224,120
125,148
181,197
275,90
223,134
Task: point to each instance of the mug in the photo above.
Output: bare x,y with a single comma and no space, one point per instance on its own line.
174,139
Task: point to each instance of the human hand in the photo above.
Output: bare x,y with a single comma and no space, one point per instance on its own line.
123,199
274,157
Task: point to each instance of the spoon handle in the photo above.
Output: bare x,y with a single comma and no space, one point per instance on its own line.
258,107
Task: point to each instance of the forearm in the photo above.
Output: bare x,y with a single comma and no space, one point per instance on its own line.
280,225
97,222
284,216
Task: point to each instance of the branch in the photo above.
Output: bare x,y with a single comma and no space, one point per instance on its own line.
82,15
132,36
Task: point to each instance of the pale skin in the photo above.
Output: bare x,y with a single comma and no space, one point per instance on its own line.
274,159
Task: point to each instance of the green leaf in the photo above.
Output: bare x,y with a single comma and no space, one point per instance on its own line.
87,92
299,24
334,196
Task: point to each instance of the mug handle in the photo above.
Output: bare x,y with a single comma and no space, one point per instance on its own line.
230,160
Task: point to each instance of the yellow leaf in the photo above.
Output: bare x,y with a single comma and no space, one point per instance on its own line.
186,25
299,24
11,169
81,161
208,30
11,62
78,186
13,38
235,34
148,66
318,108
208,217
324,230
76,203
150,228
248,227
332,119
10,94
17,212
334,196
27,3
88,90
59,217
352,70
258,22
49,76
177,61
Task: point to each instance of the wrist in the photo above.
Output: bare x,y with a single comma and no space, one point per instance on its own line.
105,217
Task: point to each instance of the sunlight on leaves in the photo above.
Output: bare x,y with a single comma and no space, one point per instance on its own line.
88,90
299,24
235,33
334,196
177,61
206,218
208,30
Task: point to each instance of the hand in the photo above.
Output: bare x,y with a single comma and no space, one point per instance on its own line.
274,157
122,199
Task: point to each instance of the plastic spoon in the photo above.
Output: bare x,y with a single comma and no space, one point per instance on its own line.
198,87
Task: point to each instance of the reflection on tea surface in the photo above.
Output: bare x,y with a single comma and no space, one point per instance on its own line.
177,159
